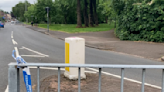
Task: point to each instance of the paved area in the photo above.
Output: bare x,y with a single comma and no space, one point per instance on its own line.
107,41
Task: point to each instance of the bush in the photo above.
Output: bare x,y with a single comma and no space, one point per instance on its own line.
141,21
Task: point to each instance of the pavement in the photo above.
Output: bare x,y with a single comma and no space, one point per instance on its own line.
106,40
51,50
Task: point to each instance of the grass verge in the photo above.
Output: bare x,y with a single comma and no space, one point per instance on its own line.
71,28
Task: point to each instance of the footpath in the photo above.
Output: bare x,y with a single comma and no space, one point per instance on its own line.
106,40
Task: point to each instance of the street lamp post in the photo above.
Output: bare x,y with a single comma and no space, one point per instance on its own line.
47,9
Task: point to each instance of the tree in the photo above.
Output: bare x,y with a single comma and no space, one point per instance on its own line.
79,23
30,13
86,21
41,12
12,15
95,12
91,13
65,12
18,10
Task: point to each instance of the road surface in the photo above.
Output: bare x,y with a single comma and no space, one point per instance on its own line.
37,47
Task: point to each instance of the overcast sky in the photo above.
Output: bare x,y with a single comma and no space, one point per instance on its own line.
7,5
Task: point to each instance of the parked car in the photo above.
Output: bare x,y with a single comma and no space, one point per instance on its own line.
1,24
13,22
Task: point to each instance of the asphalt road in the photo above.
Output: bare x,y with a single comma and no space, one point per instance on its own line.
54,48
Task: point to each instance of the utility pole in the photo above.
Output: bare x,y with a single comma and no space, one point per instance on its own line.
47,9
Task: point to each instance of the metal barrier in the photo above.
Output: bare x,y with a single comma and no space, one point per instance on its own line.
14,81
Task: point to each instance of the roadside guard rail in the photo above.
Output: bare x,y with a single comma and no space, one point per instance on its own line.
14,79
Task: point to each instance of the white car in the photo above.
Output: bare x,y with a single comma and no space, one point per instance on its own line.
12,22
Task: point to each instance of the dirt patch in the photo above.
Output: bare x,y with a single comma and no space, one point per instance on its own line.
109,84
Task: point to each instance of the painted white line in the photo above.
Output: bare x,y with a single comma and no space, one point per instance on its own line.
117,76
12,34
7,89
17,52
14,42
128,79
34,51
93,69
90,72
32,56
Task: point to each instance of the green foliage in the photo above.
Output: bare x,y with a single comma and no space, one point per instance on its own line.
30,13
65,12
62,11
71,28
105,6
41,13
19,10
140,21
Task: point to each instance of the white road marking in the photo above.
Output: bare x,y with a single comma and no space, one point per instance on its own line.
12,34
34,51
32,56
90,72
14,42
17,52
7,89
128,79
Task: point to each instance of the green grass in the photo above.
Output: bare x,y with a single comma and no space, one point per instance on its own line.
27,23
71,28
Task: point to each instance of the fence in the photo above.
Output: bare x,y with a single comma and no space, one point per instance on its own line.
14,81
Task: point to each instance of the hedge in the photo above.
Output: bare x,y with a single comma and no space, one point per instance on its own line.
141,21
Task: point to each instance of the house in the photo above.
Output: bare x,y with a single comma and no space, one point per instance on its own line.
1,13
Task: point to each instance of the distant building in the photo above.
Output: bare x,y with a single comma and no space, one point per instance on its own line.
8,17
1,13
5,16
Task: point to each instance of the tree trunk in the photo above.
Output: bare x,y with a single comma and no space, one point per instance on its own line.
95,12
65,19
86,21
106,18
91,13
115,22
79,24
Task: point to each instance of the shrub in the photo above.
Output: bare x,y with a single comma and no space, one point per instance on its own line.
141,21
